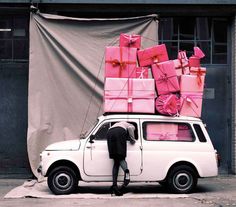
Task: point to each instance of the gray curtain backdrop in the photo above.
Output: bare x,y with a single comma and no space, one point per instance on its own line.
66,73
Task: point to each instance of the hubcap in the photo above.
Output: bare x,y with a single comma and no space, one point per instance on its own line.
62,180
183,181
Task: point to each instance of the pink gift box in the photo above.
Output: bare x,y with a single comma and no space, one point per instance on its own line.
198,52
142,72
199,71
156,131
152,55
168,104
129,95
127,40
181,64
180,68
192,83
120,62
194,61
165,76
191,104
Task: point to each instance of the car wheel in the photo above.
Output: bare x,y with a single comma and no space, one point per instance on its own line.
182,179
62,180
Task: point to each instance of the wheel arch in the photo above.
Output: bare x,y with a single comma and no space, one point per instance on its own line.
64,163
179,163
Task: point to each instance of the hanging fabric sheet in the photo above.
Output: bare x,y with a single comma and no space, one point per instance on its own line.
66,73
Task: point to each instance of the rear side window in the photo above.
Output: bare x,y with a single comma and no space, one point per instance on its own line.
200,133
157,131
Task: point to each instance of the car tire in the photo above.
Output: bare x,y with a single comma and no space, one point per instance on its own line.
62,180
182,179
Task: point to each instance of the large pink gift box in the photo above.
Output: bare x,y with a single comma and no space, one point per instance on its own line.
191,104
191,83
129,95
152,55
165,76
127,40
120,62
158,131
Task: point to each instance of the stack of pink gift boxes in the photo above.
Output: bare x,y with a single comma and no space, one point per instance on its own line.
175,87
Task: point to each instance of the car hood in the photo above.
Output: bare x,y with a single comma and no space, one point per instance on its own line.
64,146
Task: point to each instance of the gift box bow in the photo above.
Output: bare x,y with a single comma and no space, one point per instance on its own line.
190,99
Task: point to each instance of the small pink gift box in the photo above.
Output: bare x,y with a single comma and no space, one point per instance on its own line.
120,62
191,104
142,72
181,64
129,95
152,55
194,60
180,69
127,40
157,131
165,76
168,104
192,83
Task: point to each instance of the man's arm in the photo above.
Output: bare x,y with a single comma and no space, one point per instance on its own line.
131,129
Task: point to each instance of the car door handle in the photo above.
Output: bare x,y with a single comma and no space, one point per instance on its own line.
90,147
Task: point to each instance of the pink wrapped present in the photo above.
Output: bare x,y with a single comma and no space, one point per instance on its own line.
191,83
142,72
129,95
158,131
191,104
127,40
120,62
194,60
198,52
181,64
152,55
184,132
180,69
166,79
198,71
168,104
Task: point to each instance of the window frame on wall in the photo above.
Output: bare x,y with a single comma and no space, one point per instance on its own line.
170,34
14,38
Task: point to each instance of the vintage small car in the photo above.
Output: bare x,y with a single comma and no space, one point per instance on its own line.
172,151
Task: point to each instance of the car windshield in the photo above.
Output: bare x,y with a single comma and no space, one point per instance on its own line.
83,135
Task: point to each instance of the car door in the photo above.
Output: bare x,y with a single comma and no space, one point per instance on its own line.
96,156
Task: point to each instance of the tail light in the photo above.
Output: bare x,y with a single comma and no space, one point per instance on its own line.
217,158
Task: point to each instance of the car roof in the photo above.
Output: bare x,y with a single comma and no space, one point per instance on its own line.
149,116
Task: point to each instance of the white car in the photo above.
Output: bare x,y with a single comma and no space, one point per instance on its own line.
174,151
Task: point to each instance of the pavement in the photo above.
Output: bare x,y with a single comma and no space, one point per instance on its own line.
217,192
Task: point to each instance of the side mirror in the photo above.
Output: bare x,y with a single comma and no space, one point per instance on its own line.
91,138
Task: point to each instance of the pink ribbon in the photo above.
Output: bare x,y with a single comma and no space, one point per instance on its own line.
168,104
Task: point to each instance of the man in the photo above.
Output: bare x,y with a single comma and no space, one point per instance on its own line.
117,137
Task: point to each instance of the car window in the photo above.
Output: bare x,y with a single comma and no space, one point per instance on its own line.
102,131
157,131
200,133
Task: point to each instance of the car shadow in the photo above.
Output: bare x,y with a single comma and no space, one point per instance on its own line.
137,189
